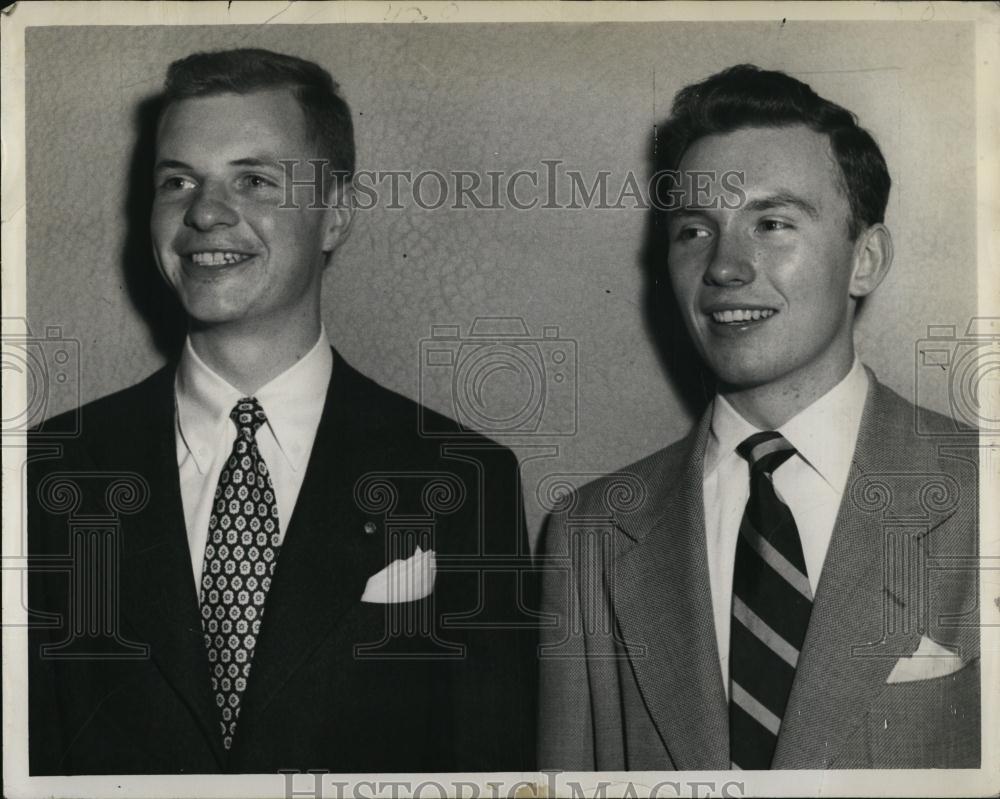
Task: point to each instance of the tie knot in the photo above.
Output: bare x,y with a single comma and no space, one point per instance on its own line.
248,416
766,451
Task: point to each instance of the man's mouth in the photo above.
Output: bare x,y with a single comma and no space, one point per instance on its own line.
218,258
735,316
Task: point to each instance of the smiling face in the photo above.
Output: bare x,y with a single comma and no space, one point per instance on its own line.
766,290
232,255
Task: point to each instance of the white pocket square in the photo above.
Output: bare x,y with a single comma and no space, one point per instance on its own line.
929,661
402,580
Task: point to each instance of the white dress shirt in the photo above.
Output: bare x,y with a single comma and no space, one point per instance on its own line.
810,483
293,403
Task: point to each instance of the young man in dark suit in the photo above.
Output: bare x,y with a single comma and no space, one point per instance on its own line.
253,560
793,584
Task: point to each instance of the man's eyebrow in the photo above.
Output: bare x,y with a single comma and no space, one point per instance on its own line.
257,161
689,210
169,163
781,199
253,161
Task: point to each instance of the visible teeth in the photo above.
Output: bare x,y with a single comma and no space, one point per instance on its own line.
742,315
216,258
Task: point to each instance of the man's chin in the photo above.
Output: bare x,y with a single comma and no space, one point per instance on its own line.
735,377
204,316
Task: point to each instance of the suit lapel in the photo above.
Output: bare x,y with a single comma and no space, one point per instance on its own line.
326,557
158,590
843,667
661,596
324,563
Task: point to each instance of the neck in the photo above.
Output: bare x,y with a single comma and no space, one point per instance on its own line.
249,360
771,405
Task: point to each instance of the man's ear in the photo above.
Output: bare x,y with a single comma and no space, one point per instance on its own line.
339,216
872,259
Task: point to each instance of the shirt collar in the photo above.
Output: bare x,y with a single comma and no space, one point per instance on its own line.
293,402
726,432
824,434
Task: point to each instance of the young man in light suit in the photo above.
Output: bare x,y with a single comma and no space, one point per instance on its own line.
294,577
769,591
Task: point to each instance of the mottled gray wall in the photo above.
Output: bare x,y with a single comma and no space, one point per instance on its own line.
502,97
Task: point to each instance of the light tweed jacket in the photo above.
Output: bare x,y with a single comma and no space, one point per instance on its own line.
630,676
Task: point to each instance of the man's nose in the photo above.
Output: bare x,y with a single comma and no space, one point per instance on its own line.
732,262
210,208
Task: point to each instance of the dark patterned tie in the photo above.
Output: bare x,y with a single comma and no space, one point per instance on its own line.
242,549
772,602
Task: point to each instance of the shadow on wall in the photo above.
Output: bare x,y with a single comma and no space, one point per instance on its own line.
679,360
154,301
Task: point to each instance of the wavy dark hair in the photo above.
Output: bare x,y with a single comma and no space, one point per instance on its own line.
746,96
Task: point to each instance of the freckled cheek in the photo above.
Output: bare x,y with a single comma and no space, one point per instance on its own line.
774,255
762,258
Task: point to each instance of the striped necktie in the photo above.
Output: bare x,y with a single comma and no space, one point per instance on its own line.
772,602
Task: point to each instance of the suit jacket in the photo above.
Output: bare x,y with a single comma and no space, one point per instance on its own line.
630,676
119,675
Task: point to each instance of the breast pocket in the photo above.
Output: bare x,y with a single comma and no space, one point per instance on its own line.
932,723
